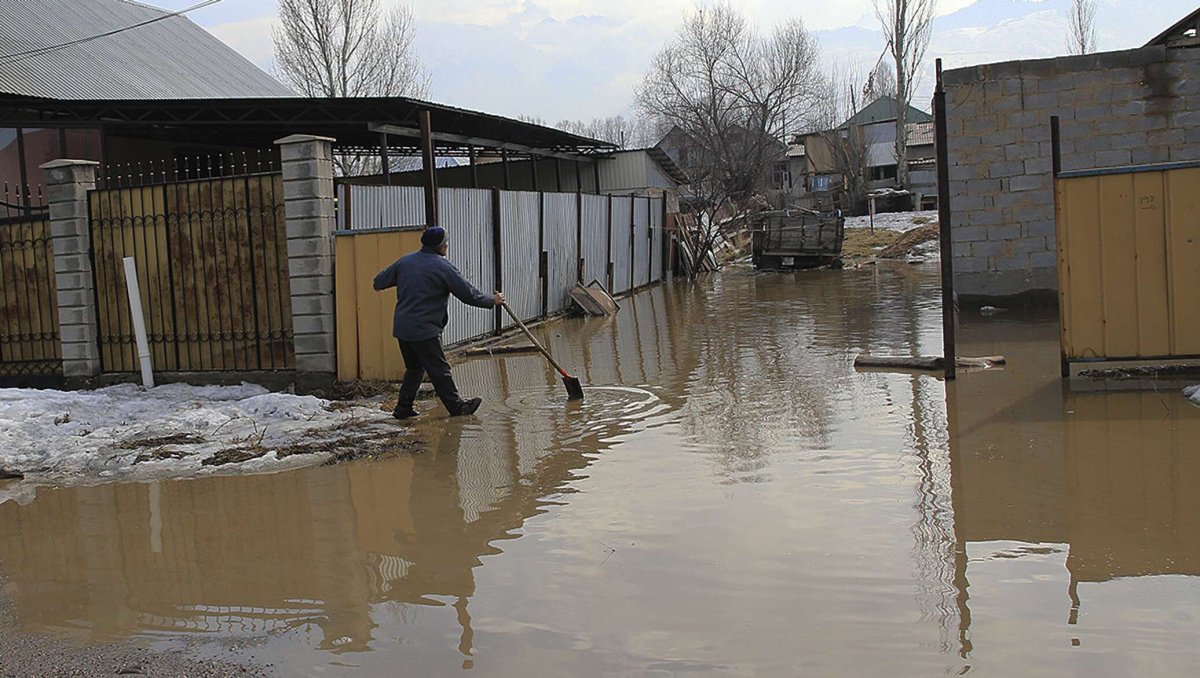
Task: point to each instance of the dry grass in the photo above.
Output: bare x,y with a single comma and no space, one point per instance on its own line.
860,243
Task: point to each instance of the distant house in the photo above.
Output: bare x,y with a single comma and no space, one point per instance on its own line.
812,157
686,153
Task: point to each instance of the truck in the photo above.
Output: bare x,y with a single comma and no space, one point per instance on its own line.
797,238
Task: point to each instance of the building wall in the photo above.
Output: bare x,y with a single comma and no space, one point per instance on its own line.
1117,108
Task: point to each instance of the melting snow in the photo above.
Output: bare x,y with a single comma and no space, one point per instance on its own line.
55,436
1193,393
894,221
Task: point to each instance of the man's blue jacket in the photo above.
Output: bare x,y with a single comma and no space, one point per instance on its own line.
424,281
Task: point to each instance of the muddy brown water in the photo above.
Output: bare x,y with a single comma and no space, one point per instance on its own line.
732,498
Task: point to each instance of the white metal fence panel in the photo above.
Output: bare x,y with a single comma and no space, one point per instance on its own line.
622,218
657,234
520,256
559,229
595,238
641,241
367,207
466,214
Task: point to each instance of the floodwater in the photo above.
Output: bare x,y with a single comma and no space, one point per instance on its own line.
732,498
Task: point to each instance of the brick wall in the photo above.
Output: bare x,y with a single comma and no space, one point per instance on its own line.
1117,108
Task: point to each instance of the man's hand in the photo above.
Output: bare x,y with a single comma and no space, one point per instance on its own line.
498,297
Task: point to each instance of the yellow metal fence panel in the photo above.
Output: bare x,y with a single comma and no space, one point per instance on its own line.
1183,246
366,348
1129,264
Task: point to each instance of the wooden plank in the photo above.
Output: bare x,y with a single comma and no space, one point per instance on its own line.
1153,317
285,294
182,252
1118,247
255,242
1084,268
1183,255
233,212
345,282
389,250
200,228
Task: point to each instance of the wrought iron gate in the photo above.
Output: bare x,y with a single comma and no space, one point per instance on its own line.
30,352
212,265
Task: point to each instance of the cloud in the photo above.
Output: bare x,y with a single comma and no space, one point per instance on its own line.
250,37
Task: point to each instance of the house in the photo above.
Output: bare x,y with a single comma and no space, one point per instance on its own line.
688,154
869,147
1136,107
157,88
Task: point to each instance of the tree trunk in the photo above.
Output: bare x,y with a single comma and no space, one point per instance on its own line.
902,98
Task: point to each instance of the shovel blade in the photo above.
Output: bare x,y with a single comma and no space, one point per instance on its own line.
574,388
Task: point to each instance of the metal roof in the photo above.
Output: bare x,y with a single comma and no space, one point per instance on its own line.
169,59
920,134
1179,31
884,109
257,123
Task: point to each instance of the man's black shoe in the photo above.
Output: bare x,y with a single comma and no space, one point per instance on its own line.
467,407
404,412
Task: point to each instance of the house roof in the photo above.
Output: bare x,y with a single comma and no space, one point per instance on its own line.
1191,22
884,109
154,56
668,165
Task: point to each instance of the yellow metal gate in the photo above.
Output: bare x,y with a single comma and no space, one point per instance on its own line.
1129,263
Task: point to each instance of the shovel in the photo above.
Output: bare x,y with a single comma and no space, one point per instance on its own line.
574,388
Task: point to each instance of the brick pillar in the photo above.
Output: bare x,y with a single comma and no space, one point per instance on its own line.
308,208
68,183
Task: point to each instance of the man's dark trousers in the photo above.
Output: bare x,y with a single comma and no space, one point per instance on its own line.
427,356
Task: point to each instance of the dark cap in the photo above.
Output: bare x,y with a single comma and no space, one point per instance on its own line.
433,237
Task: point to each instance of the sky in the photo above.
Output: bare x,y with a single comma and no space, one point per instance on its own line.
583,59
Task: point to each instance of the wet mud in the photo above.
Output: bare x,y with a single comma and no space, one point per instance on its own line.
732,497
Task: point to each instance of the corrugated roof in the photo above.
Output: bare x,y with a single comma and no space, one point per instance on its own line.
920,134
169,59
882,110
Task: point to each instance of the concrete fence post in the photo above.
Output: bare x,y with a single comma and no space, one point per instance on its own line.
309,212
68,183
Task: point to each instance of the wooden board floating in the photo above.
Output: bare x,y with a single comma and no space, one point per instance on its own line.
499,350
926,362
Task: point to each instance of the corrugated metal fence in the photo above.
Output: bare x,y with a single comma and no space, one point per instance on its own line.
546,243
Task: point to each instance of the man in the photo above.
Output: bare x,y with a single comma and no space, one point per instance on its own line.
424,281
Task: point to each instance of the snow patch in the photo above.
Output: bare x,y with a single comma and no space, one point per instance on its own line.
127,432
1192,393
894,221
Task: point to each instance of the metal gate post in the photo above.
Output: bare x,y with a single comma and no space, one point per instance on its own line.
68,183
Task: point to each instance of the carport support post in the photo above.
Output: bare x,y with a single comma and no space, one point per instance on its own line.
68,183
429,163
308,210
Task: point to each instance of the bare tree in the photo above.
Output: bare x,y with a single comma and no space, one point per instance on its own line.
1081,29
730,92
639,131
881,82
907,25
348,48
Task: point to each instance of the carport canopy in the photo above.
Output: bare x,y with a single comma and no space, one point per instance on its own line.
357,124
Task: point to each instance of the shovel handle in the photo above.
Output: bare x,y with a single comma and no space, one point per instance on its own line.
533,339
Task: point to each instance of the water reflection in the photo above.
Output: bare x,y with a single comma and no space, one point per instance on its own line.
732,496
1091,481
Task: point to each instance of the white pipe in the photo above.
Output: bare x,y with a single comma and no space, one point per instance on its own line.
139,322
